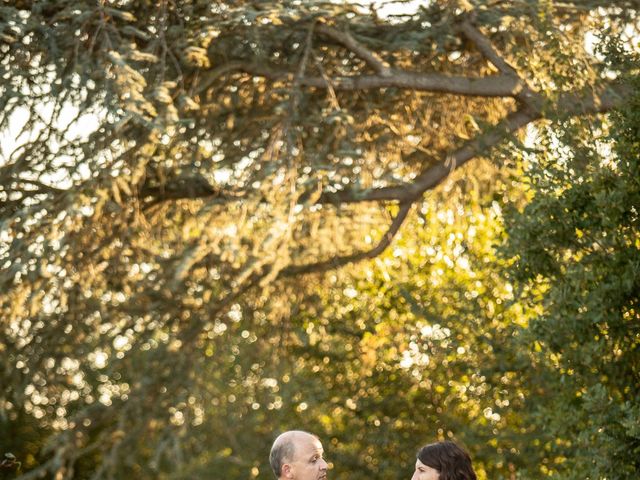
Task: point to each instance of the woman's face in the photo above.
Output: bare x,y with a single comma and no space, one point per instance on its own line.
424,472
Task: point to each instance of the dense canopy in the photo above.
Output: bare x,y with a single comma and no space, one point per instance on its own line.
224,219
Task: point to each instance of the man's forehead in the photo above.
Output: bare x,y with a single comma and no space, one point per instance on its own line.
311,444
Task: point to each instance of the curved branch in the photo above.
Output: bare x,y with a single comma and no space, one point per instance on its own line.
212,75
433,175
354,257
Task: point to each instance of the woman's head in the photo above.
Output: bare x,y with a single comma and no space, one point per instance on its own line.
443,461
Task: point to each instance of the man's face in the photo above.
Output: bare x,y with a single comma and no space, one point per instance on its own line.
308,462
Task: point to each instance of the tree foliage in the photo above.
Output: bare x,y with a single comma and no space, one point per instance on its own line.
170,278
578,258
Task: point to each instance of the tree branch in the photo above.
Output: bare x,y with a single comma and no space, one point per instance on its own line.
337,262
209,79
378,65
526,95
491,86
569,105
483,44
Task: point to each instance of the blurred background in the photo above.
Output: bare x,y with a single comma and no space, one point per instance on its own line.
387,223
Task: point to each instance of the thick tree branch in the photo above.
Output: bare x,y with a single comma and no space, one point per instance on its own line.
491,86
337,262
569,105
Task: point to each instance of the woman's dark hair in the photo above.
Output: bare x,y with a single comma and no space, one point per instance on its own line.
452,462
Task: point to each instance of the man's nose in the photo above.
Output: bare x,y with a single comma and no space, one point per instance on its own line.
323,464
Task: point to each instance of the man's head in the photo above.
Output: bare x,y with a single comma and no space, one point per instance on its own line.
297,455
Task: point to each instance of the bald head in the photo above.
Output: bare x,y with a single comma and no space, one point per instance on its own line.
284,448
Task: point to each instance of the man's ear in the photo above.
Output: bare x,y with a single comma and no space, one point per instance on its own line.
287,471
